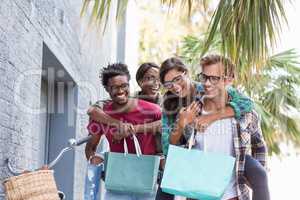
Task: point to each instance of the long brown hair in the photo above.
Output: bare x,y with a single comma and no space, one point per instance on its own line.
171,102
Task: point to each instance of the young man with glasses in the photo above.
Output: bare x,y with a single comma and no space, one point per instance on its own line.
241,138
140,114
147,78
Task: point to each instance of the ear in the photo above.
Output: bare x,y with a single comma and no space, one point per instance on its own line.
229,81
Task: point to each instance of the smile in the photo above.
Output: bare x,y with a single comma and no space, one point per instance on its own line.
121,95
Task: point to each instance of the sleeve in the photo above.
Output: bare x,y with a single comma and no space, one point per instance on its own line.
258,145
240,103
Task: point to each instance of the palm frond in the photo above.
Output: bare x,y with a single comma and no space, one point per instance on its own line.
278,97
101,10
122,5
247,28
272,88
184,4
100,7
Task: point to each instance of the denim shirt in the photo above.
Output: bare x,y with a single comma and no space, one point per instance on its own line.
240,103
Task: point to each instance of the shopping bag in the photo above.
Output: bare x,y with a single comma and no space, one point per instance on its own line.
131,173
196,174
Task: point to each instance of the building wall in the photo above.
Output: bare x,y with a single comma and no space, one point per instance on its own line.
25,27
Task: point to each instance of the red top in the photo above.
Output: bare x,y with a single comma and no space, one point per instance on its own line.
145,112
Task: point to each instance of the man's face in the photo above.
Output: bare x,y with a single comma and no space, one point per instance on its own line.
118,89
212,77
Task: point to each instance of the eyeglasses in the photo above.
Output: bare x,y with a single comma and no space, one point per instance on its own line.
212,79
150,79
178,79
116,88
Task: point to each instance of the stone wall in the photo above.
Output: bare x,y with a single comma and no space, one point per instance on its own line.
25,26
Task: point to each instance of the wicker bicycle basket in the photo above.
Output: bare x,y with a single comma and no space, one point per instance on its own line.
37,185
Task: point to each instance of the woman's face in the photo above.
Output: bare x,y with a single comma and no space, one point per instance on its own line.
177,82
150,83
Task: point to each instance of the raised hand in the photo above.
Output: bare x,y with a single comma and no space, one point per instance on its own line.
188,115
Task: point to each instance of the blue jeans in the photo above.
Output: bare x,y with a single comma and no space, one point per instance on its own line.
92,182
109,195
258,179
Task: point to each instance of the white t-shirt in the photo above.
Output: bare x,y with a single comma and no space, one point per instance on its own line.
218,137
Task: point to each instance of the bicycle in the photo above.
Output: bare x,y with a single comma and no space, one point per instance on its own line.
72,144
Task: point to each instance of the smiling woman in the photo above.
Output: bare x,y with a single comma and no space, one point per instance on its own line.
148,79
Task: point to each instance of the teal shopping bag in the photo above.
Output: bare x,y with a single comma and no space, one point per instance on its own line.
131,173
196,174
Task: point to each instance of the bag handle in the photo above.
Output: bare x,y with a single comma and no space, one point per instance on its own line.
191,140
136,145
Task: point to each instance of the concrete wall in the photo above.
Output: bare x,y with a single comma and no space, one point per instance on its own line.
25,27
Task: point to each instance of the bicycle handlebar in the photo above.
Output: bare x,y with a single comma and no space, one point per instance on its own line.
58,158
72,143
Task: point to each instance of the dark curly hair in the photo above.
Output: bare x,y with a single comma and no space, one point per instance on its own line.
113,70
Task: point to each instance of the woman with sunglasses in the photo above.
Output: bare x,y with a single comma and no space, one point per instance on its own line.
181,93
